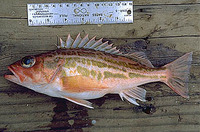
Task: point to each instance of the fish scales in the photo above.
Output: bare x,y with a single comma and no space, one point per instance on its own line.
88,61
84,69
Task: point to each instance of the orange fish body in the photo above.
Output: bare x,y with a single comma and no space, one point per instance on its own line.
84,69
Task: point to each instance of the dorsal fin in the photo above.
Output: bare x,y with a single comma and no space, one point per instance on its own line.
141,58
69,42
87,43
98,45
77,41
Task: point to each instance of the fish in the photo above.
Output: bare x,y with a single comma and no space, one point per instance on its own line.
81,69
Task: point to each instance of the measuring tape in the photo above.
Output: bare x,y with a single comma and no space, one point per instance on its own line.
80,13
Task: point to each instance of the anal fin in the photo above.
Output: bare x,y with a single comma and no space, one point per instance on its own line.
132,94
80,102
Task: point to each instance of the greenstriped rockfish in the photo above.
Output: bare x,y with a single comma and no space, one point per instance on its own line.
83,69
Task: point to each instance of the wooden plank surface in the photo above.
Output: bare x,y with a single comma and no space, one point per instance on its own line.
164,30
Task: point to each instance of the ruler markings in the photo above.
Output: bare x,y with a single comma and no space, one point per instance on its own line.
80,13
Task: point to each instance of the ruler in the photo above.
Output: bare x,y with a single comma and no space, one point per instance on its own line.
80,13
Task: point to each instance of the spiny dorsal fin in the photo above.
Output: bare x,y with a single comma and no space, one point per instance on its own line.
69,42
98,45
76,41
87,43
141,58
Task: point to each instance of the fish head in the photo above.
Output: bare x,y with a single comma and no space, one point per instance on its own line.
27,72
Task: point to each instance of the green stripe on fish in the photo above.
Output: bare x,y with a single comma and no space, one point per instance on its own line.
113,75
99,64
83,71
99,76
93,73
137,75
70,63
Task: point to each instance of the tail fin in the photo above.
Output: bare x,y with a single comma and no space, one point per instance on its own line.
177,74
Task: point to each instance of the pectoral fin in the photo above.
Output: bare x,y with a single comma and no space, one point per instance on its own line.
132,94
80,102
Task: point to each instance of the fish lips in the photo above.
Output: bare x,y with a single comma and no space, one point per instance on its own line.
17,76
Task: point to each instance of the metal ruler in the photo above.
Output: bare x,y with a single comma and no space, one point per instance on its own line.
80,13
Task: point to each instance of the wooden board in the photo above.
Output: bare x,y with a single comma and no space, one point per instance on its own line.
164,30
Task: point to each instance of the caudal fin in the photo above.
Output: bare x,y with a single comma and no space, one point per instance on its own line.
177,74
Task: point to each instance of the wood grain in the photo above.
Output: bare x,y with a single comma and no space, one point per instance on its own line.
164,30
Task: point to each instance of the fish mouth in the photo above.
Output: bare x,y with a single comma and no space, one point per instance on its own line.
13,78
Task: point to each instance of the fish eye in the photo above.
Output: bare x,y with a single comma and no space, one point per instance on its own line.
28,61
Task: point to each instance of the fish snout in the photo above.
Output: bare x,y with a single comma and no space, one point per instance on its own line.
17,74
